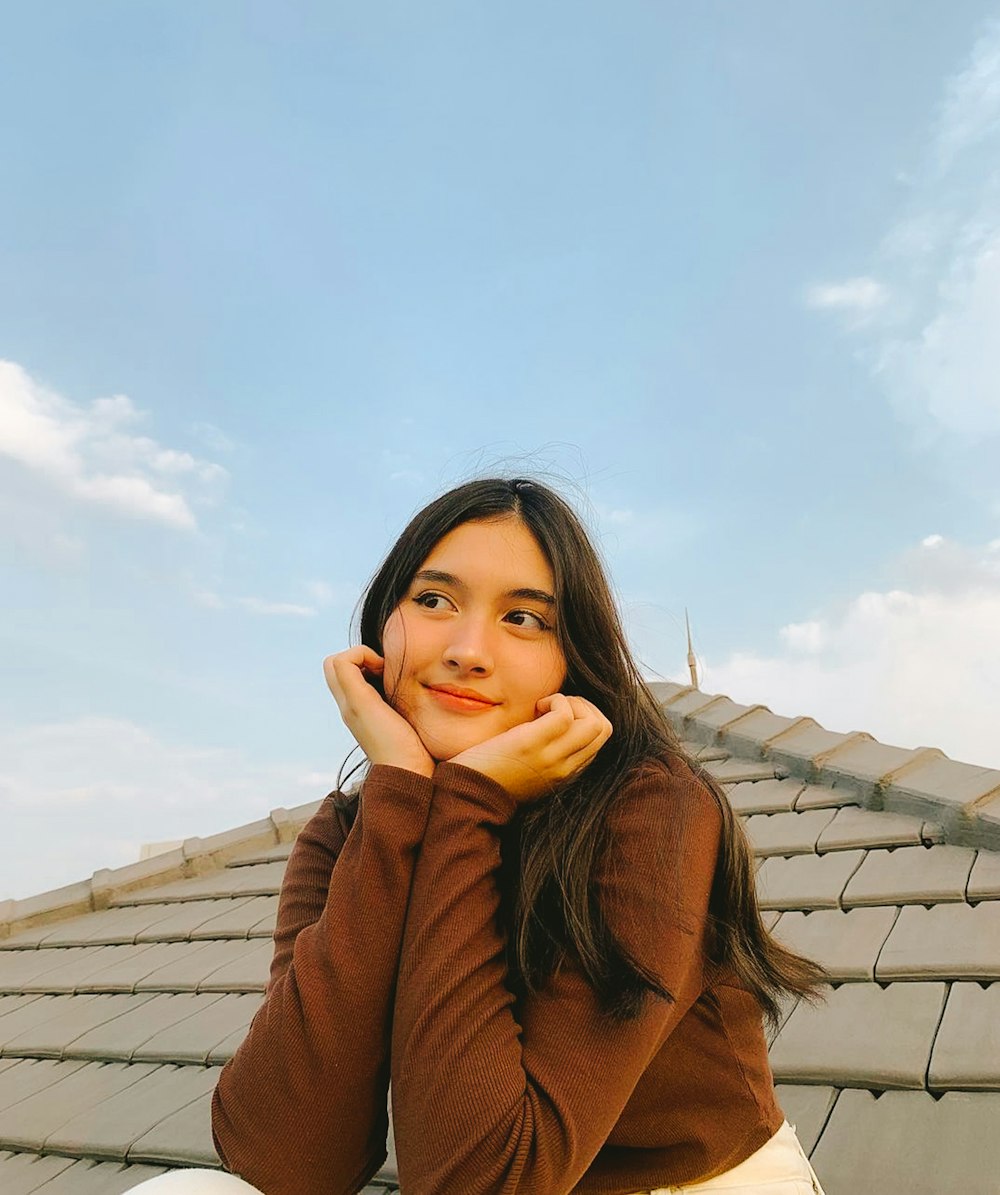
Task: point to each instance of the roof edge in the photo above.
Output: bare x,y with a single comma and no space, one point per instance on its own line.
196,857
963,798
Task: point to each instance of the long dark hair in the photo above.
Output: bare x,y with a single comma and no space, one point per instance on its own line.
557,843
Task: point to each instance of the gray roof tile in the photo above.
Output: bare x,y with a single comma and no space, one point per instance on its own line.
108,926
207,968
765,796
822,796
686,700
787,833
804,746
735,771
867,765
184,1135
908,1143
253,918
20,1013
77,965
111,1125
185,921
21,968
755,730
911,875
262,879
864,1036
946,941
280,850
942,789
27,1077
197,1038
967,1050
31,1121
847,944
85,1177
853,827
713,717
806,1109
112,927
806,881
75,1015
149,965
227,1047
24,1173
984,880
245,972
125,1038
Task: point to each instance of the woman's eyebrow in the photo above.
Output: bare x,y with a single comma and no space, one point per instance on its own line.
532,595
436,576
526,593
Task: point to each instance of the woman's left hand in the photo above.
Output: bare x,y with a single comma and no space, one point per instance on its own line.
530,759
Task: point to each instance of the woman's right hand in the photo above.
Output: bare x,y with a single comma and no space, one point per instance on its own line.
384,736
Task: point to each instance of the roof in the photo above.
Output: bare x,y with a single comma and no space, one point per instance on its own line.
121,996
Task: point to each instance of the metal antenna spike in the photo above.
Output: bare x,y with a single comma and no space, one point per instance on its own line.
692,662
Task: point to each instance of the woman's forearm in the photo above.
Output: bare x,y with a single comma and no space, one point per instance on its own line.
301,1107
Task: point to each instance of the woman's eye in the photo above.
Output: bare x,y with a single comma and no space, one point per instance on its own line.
528,618
432,601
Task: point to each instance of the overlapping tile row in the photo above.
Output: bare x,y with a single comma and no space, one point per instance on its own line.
893,1080
113,1026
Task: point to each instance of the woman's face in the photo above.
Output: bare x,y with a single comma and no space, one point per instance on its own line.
472,646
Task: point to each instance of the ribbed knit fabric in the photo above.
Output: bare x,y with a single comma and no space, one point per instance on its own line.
490,1097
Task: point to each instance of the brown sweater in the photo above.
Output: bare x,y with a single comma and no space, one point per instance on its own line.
389,947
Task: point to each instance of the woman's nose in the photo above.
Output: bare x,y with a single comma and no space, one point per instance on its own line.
468,649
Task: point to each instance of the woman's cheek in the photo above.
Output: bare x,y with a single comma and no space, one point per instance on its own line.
392,653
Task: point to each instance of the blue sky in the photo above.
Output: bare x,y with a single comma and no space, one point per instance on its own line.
272,275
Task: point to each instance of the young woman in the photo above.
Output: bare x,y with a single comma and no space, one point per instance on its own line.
537,917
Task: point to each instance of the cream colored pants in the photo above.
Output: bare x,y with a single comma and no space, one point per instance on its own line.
195,1182
779,1167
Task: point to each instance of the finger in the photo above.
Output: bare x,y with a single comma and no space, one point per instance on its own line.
345,678
554,712
587,733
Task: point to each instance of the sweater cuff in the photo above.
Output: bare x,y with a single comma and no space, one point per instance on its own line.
401,784
479,790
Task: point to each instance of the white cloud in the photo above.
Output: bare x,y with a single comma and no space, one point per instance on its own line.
949,369
914,666
970,112
84,794
90,456
854,294
809,637
259,606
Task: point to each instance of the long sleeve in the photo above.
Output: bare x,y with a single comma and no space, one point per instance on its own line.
306,882
482,1104
300,1109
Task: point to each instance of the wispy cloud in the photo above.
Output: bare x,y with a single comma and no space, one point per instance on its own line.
970,112
854,294
259,606
931,340
94,455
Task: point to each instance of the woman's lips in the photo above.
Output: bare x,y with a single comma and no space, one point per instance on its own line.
460,700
